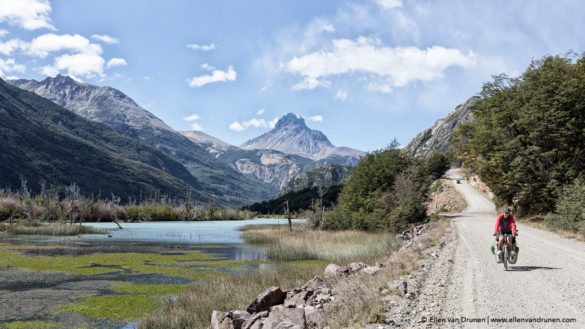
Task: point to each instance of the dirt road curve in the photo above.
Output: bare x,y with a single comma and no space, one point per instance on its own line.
548,281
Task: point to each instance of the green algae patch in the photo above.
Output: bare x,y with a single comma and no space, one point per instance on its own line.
312,263
101,263
118,307
148,289
30,325
134,301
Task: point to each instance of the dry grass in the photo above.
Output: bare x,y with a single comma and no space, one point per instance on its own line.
538,222
193,306
334,246
360,299
50,229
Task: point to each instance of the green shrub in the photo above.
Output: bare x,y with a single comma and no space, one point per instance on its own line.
570,209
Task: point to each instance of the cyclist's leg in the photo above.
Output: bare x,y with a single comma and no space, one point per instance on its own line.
500,242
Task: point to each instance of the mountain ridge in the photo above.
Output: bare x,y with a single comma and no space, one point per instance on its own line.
116,110
43,142
292,136
438,137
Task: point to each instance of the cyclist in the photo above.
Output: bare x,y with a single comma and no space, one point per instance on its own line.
505,224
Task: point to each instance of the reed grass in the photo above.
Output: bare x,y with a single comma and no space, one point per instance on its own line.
55,229
334,246
192,307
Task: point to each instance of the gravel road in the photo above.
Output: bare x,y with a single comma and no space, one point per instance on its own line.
548,281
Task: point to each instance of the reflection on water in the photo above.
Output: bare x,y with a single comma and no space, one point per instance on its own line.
178,232
221,238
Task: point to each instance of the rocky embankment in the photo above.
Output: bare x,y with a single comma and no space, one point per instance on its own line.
307,306
444,198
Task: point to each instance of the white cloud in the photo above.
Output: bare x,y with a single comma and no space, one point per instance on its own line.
196,126
208,47
27,14
192,117
81,64
116,62
215,76
105,38
43,45
310,83
260,111
254,123
7,47
328,28
383,67
3,33
341,95
147,78
315,118
9,66
389,4
237,127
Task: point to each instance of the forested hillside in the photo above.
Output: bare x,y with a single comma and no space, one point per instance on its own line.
528,137
387,191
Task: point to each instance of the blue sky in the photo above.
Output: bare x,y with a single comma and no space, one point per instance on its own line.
363,72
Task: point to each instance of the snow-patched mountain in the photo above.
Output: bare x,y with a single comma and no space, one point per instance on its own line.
213,145
270,166
292,136
113,108
99,104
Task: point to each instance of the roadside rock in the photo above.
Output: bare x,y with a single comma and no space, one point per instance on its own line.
297,298
238,318
314,318
281,318
255,321
270,297
370,270
221,320
332,270
356,266
398,285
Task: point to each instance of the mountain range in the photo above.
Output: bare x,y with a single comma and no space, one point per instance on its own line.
281,154
218,171
43,143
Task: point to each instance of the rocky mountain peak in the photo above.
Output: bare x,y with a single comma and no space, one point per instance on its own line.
438,137
292,136
101,104
291,120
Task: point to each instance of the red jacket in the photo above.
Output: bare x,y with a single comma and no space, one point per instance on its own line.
500,224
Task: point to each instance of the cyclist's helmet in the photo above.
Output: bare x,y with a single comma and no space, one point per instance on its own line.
507,210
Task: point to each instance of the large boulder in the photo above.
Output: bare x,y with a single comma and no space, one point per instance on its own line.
289,318
221,320
314,318
238,318
255,321
356,266
334,270
297,298
270,297
370,270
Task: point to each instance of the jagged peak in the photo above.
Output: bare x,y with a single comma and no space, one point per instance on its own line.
61,79
290,119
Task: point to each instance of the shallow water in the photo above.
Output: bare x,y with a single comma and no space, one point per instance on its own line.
174,232
219,238
203,232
